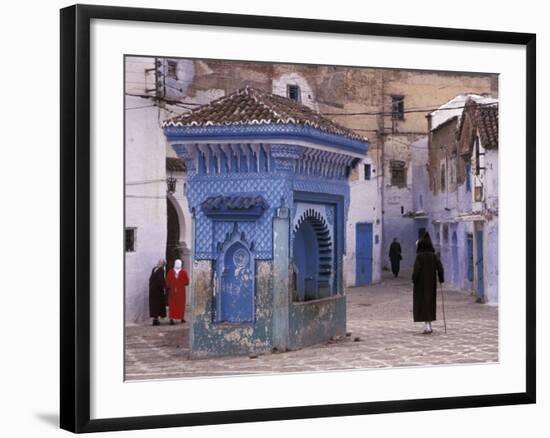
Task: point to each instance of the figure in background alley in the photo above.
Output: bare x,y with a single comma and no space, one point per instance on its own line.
157,296
426,266
176,280
395,256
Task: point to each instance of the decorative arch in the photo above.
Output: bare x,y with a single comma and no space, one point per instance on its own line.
176,246
313,257
234,283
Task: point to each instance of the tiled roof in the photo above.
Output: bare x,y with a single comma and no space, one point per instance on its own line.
484,118
454,108
250,106
174,164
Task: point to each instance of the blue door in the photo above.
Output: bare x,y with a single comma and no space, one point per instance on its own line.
479,263
470,257
454,246
363,254
237,294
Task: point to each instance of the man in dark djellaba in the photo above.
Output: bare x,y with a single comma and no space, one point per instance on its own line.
395,256
157,293
426,266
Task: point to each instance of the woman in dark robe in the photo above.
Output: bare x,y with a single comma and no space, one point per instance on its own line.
426,266
157,297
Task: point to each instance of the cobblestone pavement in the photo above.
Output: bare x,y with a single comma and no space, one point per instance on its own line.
381,333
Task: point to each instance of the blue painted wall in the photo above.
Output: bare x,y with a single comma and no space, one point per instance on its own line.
363,253
239,305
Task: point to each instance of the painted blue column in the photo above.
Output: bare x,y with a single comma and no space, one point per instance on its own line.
280,278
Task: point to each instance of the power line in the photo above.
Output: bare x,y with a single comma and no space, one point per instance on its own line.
151,181
146,197
140,107
382,113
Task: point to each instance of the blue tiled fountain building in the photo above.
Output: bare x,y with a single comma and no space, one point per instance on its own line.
269,195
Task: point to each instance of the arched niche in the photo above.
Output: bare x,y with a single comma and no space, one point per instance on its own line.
235,280
312,257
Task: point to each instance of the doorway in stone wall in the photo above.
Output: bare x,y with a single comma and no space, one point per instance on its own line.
173,250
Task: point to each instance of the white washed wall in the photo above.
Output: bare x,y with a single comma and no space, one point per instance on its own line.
365,206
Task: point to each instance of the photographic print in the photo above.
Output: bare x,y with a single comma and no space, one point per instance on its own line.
290,218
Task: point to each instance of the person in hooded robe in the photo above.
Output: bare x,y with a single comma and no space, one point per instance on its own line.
395,256
157,297
176,280
427,270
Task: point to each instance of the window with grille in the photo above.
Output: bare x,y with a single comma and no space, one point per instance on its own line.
367,172
130,239
398,107
398,173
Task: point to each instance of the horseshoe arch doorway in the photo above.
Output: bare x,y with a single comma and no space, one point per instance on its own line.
312,250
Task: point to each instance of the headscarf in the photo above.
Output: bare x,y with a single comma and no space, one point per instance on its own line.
425,244
177,267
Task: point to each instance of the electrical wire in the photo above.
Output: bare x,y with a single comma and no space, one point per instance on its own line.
389,113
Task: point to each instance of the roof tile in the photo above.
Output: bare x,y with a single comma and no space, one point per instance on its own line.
250,106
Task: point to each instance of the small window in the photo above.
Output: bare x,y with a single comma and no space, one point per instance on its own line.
293,92
398,107
130,239
468,178
367,172
478,194
398,173
172,69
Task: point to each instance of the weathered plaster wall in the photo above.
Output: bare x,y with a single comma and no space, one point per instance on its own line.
213,339
312,322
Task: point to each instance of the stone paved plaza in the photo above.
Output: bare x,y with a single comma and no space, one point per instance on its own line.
381,333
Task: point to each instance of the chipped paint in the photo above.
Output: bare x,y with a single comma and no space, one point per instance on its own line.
222,339
313,322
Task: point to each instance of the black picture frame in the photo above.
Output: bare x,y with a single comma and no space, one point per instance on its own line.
75,217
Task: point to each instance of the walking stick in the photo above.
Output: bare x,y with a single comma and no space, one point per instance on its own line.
443,306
